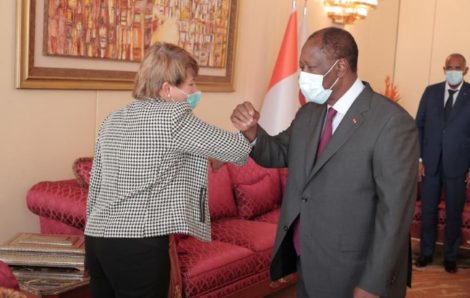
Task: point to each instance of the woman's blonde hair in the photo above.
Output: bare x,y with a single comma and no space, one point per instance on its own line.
163,62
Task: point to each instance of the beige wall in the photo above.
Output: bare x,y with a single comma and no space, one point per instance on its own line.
423,45
43,131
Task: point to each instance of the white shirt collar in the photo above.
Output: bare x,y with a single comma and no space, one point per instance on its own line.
458,88
344,102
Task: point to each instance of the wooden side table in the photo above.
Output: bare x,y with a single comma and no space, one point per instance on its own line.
47,265
81,291
52,282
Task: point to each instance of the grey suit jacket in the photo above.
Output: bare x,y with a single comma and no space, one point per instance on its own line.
355,202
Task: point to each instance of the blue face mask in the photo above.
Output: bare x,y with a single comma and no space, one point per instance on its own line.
454,77
193,98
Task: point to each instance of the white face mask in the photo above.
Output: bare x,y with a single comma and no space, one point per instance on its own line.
311,86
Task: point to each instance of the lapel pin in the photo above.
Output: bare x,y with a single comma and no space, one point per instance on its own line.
354,120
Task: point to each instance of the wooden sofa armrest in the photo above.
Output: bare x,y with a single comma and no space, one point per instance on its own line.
176,283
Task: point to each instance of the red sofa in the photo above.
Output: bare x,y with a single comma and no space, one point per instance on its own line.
465,229
244,206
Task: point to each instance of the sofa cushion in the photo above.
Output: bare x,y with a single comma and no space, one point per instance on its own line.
82,170
250,172
271,216
206,266
257,236
258,197
221,200
283,178
64,201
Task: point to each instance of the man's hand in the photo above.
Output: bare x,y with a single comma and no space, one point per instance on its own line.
360,293
245,119
421,171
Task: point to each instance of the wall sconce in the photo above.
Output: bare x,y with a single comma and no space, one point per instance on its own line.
347,11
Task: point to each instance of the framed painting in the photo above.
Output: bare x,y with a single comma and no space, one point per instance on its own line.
98,44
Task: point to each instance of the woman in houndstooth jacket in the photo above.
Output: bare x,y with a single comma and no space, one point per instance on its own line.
149,177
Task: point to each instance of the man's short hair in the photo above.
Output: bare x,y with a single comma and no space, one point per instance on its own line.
338,43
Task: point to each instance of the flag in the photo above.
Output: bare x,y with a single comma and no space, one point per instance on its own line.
281,100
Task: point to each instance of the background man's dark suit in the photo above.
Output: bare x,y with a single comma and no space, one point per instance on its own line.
355,202
445,150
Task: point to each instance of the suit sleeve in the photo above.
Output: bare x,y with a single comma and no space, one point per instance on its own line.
421,118
271,151
192,135
395,162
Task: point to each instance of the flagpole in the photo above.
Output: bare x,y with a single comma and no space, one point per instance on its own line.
303,34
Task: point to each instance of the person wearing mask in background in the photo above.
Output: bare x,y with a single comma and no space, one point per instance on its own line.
149,178
352,156
443,121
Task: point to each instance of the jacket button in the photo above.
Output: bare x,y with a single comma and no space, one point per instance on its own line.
285,228
304,199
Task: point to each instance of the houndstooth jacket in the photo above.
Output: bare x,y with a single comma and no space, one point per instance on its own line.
149,174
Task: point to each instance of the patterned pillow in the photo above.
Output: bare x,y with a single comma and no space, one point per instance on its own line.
82,170
221,200
258,198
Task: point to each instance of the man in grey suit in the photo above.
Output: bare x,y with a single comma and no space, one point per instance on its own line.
351,187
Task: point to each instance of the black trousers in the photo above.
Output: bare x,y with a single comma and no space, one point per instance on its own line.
454,193
128,267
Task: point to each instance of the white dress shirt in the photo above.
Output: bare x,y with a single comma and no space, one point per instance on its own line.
446,94
344,102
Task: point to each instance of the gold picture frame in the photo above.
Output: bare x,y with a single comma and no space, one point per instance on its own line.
36,70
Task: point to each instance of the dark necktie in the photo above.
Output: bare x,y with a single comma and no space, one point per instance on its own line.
327,131
325,138
449,103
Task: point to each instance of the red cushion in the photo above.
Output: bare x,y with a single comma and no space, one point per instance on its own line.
271,216
221,200
64,201
254,235
7,279
206,266
257,236
259,197
82,170
249,173
283,177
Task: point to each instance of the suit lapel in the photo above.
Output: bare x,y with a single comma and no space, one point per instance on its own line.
313,137
439,99
351,121
461,101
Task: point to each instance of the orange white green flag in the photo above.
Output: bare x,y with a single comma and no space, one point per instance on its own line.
281,100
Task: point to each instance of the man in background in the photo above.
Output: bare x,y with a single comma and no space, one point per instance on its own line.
352,156
443,122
